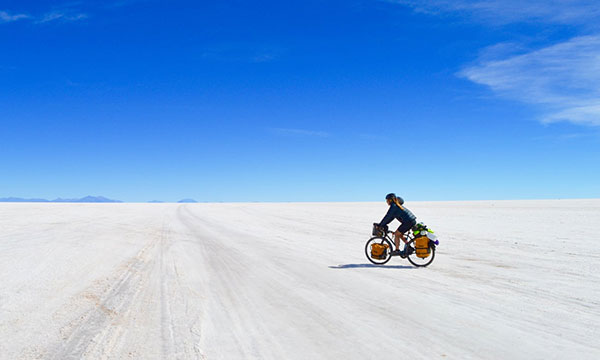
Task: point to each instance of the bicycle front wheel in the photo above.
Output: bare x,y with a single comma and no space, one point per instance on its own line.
387,255
420,261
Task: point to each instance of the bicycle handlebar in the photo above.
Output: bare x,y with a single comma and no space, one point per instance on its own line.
381,228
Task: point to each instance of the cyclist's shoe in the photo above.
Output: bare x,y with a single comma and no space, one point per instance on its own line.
396,253
403,253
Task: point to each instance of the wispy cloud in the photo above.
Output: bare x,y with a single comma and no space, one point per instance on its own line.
64,15
241,52
6,17
61,16
509,11
265,57
568,137
365,136
299,132
561,79
69,11
564,77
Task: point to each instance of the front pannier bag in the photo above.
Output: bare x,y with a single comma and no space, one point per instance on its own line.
379,251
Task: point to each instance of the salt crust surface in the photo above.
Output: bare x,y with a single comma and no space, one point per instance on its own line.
511,280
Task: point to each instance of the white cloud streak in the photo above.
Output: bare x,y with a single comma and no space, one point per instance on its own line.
61,16
241,52
564,78
65,16
5,17
299,132
509,11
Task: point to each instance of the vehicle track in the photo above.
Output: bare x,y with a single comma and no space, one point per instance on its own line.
280,312
138,312
98,329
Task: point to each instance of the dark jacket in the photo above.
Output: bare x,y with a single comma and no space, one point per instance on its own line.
402,214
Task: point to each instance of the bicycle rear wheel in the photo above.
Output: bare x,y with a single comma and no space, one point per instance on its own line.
382,241
418,261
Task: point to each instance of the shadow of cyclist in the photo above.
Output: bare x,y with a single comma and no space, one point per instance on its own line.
356,266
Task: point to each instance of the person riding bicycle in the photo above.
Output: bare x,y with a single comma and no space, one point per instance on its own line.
406,217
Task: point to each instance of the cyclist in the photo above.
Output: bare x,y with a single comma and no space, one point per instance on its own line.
406,217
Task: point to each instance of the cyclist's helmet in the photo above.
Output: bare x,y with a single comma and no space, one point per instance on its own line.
392,196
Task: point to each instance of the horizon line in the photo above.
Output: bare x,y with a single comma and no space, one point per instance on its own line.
76,201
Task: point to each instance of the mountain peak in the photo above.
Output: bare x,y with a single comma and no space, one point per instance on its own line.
86,199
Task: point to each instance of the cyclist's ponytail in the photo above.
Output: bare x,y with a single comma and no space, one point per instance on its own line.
397,201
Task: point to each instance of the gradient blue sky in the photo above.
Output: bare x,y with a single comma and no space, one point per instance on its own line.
300,100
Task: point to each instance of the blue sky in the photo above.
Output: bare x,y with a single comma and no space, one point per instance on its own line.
300,100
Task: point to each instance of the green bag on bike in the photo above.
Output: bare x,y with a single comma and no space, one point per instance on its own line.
421,232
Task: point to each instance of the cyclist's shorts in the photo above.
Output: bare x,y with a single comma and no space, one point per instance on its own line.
404,227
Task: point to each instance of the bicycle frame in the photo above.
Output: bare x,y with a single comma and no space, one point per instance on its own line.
409,236
387,235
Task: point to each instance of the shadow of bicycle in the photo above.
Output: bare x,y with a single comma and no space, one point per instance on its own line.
358,266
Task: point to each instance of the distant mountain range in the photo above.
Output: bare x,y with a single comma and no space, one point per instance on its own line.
87,199
187,201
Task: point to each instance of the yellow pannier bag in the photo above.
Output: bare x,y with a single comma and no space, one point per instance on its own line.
379,251
422,246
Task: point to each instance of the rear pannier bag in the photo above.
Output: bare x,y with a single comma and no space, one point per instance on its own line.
379,251
422,246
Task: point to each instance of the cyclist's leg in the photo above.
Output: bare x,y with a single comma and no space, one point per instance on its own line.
397,236
404,227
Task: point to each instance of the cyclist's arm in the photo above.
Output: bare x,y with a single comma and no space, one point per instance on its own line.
388,217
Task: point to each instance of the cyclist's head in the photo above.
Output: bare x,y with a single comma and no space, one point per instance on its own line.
390,198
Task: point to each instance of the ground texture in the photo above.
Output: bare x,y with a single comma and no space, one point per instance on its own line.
511,280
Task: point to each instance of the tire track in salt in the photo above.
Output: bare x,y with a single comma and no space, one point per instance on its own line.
97,330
